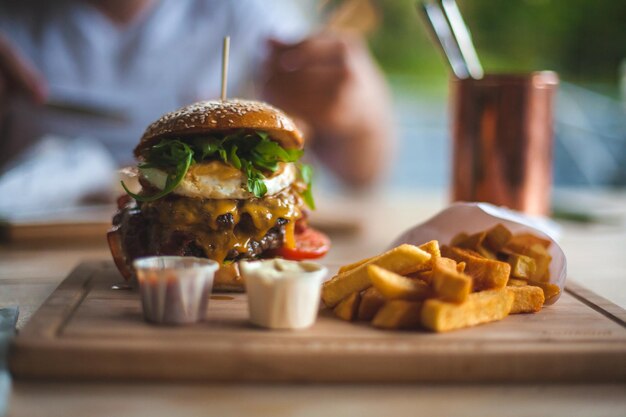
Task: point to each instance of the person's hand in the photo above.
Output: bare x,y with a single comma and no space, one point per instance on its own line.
331,83
17,76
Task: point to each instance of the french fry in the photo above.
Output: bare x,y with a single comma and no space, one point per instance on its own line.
549,290
522,266
431,285
445,263
515,282
353,265
486,273
486,253
426,276
472,241
528,239
542,260
526,299
536,251
371,301
480,307
431,247
476,242
448,283
497,237
398,314
396,287
348,307
458,238
402,260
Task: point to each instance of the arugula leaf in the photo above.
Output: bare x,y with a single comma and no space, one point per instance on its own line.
257,187
307,196
205,147
255,180
172,151
294,154
306,172
233,158
259,161
252,152
263,135
271,150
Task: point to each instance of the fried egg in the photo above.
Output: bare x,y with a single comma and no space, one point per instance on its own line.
220,181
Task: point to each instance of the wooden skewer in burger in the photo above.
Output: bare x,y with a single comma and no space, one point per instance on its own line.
221,180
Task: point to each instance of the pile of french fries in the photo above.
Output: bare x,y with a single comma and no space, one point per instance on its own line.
477,279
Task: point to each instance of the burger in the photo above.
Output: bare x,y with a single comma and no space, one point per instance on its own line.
220,180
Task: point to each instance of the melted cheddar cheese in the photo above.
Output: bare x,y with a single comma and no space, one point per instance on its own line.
199,217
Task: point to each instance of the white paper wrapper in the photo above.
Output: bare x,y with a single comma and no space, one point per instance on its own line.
474,217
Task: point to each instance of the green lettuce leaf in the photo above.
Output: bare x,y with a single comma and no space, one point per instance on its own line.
177,157
252,152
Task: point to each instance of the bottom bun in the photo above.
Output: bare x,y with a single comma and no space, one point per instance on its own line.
228,278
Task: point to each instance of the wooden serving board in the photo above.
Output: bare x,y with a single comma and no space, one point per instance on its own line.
87,330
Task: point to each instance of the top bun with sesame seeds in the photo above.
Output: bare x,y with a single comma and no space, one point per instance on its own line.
222,116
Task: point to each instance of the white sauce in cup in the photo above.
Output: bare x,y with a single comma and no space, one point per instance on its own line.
283,294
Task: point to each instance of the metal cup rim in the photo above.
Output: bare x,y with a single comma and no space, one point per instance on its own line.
144,263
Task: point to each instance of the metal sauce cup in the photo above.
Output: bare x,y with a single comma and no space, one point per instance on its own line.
502,140
175,289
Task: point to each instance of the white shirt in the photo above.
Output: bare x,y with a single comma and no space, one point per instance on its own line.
167,57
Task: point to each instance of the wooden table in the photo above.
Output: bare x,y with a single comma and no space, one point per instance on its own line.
595,257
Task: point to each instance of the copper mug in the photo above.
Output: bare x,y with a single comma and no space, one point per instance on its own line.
502,140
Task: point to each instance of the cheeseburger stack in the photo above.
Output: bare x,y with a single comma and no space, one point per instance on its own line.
220,180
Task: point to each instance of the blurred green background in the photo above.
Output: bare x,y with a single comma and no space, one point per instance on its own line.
583,40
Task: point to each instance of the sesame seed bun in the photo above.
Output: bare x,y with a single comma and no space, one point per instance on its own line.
220,116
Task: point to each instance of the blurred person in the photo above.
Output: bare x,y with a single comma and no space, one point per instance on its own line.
141,58
331,84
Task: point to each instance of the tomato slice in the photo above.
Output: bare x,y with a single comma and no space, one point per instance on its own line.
310,244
